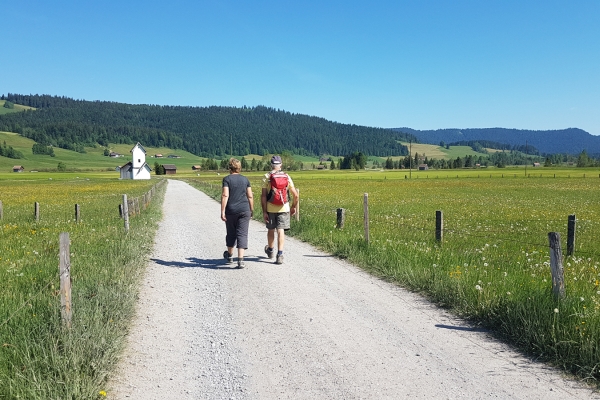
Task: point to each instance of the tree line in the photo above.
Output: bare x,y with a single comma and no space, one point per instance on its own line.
10,152
204,131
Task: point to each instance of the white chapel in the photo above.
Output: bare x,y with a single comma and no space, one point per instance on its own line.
137,168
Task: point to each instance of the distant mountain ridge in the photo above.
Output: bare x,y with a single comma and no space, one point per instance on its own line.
571,140
204,131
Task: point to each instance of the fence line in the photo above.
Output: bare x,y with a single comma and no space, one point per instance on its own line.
503,239
438,230
138,204
342,212
406,177
63,276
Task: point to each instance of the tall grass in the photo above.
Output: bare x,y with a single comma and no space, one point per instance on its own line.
493,267
39,357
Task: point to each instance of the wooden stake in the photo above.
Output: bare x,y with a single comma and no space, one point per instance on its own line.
556,265
341,218
65,279
439,226
366,212
298,205
126,212
571,235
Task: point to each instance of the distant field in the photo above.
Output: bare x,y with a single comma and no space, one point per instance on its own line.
440,153
430,150
93,159
17,108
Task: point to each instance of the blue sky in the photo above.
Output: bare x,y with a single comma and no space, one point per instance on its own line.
418,64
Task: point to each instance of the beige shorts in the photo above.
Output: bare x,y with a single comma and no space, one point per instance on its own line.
279,221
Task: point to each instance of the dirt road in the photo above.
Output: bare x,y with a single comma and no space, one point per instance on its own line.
312,328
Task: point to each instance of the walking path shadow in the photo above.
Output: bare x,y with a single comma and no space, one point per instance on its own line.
193,262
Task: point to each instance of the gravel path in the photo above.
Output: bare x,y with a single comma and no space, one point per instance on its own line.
312,328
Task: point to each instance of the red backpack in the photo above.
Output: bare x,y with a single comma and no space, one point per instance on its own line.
279,183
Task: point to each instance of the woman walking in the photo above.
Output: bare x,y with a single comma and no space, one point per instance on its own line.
237,208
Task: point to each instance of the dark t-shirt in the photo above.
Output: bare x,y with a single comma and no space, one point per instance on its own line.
238,201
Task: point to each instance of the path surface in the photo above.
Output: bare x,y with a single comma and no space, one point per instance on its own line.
313,328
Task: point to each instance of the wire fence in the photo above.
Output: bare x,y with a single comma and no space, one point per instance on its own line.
138,205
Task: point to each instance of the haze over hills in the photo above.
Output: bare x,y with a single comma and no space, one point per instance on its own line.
571,140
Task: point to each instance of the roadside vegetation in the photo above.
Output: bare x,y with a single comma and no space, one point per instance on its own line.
39,357
493,265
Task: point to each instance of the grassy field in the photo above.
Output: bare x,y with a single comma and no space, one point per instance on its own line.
92,160
16,108
39,357
441,153
493,267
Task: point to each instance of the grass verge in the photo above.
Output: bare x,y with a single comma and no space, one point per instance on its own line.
40,358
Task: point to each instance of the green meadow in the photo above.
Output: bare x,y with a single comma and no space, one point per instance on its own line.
16,108
438,152
92,160
40,358
493,265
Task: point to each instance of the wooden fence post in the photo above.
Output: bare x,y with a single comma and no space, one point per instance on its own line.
556,265
36,207
126,212
571,235
341,218
439,226
65,279
366,212
77,213
298,205
1,211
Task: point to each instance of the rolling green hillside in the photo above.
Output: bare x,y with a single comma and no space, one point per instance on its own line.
204,131
441,153
92,159
16,108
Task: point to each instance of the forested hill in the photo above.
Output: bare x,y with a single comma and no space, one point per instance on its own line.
571,141
204,131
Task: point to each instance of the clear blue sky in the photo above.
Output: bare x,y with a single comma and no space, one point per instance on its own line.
420,64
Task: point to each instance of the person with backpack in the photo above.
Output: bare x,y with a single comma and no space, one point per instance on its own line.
237,206
276,207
